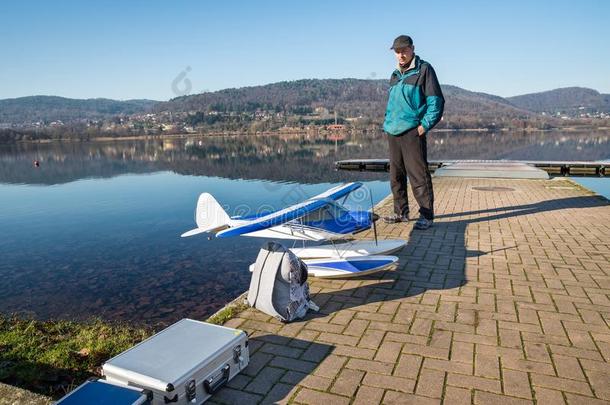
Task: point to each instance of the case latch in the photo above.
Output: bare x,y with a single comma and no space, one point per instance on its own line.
237,354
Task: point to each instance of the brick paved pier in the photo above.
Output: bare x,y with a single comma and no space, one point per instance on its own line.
504,300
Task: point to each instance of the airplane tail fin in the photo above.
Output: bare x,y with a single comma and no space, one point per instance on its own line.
209,213
209,216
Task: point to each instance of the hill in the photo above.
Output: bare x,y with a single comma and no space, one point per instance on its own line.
288,105
568,100
53,108
348,97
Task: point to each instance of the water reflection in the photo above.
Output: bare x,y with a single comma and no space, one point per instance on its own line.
299,158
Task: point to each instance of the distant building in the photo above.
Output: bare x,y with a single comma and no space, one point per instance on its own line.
321,111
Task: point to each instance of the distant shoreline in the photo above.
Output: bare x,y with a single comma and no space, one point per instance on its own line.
290,132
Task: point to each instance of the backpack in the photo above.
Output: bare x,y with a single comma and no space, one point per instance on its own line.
279,284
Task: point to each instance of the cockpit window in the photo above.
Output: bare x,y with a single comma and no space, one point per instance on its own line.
328,212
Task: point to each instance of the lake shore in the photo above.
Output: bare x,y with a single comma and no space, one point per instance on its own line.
299,132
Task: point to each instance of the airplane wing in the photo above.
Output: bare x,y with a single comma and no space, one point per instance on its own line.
276,218
339,191
291,213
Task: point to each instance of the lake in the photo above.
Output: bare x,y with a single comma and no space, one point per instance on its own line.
94,231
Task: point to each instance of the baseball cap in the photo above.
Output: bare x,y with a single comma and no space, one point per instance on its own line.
402,41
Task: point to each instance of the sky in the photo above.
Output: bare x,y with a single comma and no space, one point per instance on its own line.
161,49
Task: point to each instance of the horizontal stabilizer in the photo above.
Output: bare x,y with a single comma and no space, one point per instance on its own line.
209,216
197,231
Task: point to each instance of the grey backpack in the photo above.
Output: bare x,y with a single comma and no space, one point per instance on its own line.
279,284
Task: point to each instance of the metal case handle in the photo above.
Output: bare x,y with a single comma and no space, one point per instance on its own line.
211,386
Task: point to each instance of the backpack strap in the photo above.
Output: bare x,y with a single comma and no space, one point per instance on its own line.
267,281
255,282
263,280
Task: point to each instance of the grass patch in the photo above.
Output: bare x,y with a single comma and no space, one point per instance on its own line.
53,357
50,357
228,312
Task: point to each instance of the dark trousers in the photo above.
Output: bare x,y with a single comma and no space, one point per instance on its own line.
409,158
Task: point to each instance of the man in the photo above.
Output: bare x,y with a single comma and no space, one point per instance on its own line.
415,106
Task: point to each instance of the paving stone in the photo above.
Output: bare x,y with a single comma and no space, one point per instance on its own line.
338,339
393,397
307,396
574,399
279,394
368,365
358,352
264,380
292,364
473,382
237,397
568,367
487,366
256,364
563,384
481,397
546,396
457,396
330,366
389,382
315,382
430,383
356,327
371,339
281,350
388,352
462,352
528,366
448,365
408,366
293,377
600,382
316,352
347,382
516,383
368,395
239,382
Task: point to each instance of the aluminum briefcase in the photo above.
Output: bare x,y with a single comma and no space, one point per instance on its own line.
185,363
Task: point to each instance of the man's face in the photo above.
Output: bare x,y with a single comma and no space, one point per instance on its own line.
404,54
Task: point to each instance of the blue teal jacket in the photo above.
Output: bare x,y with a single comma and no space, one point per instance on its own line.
415,98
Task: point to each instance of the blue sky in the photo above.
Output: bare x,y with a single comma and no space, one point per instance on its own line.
137,49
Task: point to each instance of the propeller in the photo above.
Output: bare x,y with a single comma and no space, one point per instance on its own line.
374,216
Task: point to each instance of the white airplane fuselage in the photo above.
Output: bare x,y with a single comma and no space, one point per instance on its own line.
292,232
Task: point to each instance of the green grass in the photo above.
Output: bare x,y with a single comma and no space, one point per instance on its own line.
52,357
227,313
49,357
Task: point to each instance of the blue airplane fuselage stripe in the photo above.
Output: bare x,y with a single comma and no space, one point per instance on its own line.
353,266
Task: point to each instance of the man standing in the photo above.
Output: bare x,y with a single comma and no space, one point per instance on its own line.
415,105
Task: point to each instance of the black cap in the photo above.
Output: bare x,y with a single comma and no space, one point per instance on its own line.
402,41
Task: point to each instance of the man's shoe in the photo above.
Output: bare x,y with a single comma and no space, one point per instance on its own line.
394,219
423,223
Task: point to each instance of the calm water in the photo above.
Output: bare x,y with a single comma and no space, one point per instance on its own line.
94,231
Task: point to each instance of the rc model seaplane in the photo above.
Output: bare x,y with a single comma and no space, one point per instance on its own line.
319,219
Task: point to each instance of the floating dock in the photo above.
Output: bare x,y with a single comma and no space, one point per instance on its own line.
552,168
504,300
